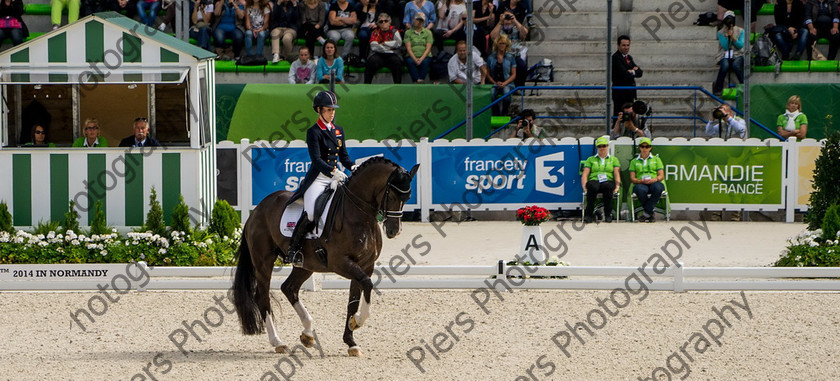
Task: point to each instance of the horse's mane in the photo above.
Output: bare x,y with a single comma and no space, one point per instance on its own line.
368,163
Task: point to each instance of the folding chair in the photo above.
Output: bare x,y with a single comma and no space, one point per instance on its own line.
662,207
599,203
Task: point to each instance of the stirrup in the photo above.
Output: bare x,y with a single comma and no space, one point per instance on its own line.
294,258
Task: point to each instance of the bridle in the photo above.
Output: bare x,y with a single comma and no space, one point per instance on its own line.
381,210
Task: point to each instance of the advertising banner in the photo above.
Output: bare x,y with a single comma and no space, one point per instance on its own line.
284,168
719,175
808,155
506,175
284,112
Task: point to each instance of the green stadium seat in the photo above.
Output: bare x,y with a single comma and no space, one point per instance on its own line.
498,121
730,94
766,10
824,66
39,9
764,69
230,67
280,67
795,66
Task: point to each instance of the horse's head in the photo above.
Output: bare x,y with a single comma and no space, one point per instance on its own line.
397,192
387,187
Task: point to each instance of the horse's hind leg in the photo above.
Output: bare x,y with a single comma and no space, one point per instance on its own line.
358,307
264,269
291,288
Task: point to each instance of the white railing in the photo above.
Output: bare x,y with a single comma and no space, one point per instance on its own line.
501,276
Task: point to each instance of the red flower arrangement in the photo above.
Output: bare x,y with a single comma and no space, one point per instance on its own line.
532,215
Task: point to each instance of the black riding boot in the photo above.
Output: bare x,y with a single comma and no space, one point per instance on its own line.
294,255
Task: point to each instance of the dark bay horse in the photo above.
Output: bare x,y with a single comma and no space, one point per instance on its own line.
377,190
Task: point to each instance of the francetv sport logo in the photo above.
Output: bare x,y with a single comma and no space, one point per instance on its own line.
505,173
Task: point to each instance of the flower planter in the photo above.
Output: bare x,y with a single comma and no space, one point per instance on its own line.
531,245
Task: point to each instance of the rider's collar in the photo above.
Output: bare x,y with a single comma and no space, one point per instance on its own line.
324,125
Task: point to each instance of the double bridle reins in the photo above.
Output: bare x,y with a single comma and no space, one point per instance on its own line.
381,211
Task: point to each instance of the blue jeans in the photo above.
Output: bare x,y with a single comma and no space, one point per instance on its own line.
147,12
649,195
364,42
502,107
785,42
418,72
202,37
221,33
15,34
737,68
249,41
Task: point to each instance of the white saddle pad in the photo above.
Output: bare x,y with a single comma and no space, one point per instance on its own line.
292,214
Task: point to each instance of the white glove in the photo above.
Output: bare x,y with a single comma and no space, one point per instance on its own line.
338,175
353,168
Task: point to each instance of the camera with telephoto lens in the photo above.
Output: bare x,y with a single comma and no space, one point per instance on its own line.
626,117
718,113
523,123
728,21
508,17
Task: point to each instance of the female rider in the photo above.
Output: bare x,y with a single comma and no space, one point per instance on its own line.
325,142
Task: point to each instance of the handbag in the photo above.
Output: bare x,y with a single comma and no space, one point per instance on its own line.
816,55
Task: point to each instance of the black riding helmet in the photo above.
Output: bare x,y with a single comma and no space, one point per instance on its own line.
325,99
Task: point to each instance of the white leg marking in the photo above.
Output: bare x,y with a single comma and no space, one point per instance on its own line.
272,332
305,318
364,311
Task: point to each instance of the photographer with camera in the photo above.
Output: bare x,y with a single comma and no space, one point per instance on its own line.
730,56
525,127
628,123
732,124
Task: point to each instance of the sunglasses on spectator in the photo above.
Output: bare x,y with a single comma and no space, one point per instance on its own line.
140,119
644,146
602,146
40,132
92,128
383,21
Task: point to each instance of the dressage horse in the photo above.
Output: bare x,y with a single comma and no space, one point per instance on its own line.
376,191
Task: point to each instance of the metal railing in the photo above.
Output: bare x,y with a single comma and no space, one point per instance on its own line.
520,91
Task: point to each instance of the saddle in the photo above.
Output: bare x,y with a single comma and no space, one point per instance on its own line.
292,214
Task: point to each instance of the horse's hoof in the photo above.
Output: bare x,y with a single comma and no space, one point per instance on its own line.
352,324
307,341
355,352
281,349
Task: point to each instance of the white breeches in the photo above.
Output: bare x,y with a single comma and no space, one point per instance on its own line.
315,189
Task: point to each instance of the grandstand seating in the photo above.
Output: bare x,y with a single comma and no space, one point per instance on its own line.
675,52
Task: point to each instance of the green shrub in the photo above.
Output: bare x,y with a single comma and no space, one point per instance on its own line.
224,219
154,219
99,224
5,219
826,182
808,249
45,227
71,219
181,217
831,223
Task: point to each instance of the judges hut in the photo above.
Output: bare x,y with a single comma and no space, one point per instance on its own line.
114,69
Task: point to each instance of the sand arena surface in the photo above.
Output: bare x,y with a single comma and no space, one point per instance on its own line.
784,335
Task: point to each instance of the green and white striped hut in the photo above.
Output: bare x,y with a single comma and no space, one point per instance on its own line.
115,70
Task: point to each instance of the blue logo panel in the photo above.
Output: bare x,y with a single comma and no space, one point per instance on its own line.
274,169
505,174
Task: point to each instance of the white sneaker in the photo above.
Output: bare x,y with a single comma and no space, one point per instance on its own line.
275,58
162,27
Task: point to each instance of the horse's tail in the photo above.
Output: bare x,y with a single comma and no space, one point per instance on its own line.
244,292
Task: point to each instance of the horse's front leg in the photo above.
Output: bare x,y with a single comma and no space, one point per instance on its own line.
291,288
358,306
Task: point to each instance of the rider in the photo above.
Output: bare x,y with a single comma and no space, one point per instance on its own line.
325,141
